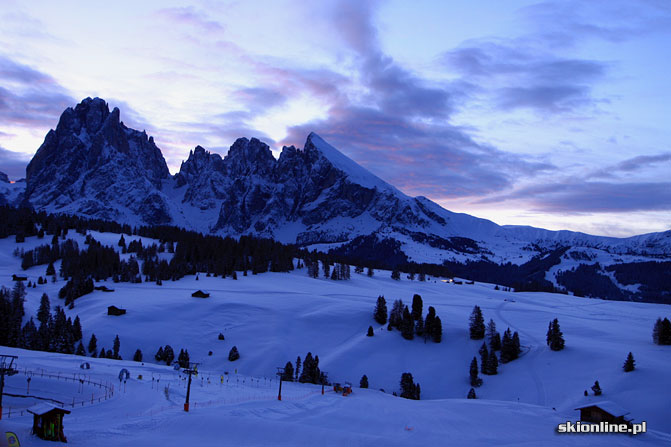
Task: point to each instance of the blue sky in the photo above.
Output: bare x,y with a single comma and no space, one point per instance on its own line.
553,114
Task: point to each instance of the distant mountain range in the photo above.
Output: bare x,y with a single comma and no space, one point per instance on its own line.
95,166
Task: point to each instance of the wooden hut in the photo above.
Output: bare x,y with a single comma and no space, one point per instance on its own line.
604,411
200,294
16,277
48,422
113,310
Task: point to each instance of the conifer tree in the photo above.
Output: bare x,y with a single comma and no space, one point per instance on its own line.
380,313
437,330
666,332
629,364
168,354
396,275
396,314
656,330
474,379
51,271
44,312
409,389
80,349
484,357
507,347
77,329
492,364
428,322
102,354
370,332
137,357
471,394
288,374
116,346
93,344
370,272
491,333
477,324
298,367
308,364
419,328
233,355
555,338
160,355
417,306
364,382
661,332
407,325
496,342
596,388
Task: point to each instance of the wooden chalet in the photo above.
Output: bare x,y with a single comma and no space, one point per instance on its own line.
48,422
200,294
113,310
16,277
604,411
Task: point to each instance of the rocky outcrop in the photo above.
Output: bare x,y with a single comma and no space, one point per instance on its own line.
93,165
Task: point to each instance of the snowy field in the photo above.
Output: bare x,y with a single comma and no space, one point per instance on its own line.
274,317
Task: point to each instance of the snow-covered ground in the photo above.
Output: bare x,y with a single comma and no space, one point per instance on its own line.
274,317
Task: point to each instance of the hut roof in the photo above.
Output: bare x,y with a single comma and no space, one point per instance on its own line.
44,408
607,406
200,294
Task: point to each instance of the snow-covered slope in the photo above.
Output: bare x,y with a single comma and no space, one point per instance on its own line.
244,411
272,318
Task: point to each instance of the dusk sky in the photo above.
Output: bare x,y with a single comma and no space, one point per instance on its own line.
554,114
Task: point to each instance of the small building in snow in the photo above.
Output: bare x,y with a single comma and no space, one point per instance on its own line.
200,294
604,411
16,277
113,310
48,422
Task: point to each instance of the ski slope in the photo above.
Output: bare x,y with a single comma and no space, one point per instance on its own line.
274,317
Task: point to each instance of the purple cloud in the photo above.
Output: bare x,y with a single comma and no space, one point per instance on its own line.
190,16
520,76
33,99
400,128
592,197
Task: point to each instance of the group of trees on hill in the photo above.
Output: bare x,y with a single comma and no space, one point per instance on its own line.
409,322
55,332
335,271
305,371
661,332
508,347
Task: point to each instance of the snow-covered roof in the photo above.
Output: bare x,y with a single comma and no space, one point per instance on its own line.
606,405
45,408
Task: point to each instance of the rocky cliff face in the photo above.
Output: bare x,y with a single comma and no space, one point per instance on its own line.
94,165
312,191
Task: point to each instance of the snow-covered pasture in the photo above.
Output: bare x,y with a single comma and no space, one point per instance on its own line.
274,317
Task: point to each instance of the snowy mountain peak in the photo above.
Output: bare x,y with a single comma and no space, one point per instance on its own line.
199,161
247,157
355,173
92,164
